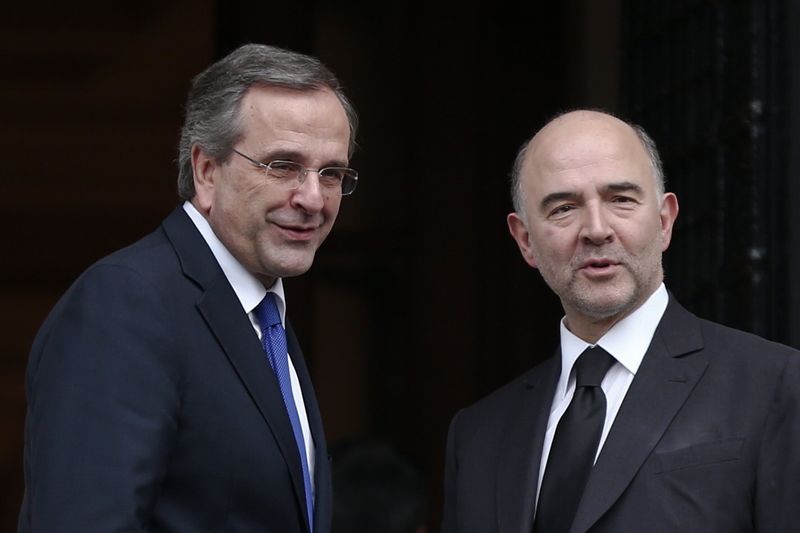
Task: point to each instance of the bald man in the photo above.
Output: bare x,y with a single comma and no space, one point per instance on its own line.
647,418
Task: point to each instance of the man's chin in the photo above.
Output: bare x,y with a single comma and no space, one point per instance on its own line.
601,306
291,271
290,266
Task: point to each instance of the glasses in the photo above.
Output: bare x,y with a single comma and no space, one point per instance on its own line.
341,180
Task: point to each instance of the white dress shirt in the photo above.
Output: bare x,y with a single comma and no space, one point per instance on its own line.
250,292
627,341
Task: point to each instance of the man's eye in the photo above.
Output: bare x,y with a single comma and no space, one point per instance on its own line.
284,170
623,200
282,166
332,174
561,210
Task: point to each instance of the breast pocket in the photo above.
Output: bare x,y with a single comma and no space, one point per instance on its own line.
706,453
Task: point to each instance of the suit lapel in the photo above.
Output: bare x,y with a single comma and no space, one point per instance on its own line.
226,319
322,473
662,384
521,452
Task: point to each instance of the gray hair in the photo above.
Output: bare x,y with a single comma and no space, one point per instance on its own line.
212,106
517,194
655,158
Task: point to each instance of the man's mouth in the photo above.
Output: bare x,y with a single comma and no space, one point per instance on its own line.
599,266
299,232
599,263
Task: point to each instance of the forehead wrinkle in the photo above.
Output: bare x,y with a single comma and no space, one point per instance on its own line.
580,156
590,160
304,121
581,134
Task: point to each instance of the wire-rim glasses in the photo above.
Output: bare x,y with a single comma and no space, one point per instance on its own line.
340,180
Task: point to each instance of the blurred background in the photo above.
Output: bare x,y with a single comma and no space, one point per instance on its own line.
419,303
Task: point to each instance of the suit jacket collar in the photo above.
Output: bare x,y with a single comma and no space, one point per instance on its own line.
671,368
322,473
518,468
223,313
196,260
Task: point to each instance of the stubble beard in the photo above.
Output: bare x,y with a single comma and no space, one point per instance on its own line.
604,300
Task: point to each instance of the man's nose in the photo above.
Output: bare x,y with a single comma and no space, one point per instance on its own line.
310,195
596,228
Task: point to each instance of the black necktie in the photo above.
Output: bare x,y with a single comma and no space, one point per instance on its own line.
574,445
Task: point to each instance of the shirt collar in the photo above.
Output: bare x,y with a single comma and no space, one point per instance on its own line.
249,290
627,340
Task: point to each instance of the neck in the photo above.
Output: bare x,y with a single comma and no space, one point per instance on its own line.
590,330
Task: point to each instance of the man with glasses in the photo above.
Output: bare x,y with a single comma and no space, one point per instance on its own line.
166,390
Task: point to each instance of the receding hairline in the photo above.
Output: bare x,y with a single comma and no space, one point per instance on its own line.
279,89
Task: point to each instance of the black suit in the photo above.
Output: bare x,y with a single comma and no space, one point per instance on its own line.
152,406
706,440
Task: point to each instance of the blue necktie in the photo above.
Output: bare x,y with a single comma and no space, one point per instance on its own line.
273,337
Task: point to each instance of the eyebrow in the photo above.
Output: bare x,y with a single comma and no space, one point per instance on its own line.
622,186
554,197
292,155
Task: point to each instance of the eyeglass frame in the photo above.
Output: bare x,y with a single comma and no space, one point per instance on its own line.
304,170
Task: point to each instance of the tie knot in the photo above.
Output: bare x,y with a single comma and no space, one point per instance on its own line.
267,311
592,366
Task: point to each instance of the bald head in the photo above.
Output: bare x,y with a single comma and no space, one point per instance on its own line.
582,128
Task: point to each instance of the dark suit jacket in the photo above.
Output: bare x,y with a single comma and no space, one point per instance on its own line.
707,440
152,407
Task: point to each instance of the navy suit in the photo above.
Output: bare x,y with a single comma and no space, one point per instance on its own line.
152,406
706,440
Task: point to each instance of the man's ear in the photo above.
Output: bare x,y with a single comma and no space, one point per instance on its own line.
519,230
669,212
205,169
